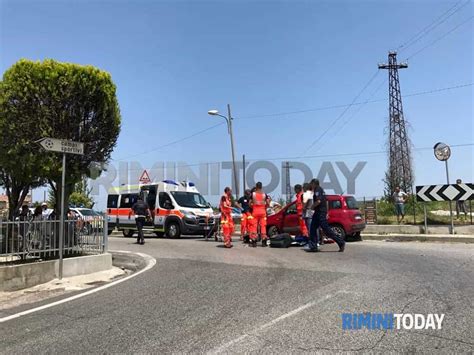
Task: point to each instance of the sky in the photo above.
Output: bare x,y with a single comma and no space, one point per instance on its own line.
172,61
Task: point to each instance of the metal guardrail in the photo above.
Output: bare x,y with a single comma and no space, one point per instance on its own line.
23,240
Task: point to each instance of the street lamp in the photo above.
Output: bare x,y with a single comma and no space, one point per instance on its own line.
228,120
442,152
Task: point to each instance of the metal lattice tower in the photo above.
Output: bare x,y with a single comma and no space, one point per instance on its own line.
400,171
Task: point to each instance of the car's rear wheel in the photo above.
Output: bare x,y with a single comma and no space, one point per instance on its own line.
127,233
173,230
340,232
272,230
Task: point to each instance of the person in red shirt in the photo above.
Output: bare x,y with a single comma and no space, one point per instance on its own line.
227,223
259,204
299,210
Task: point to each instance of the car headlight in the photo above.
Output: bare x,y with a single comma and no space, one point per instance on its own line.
188,214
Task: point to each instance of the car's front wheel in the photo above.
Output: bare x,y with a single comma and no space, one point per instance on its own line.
340,232
272,230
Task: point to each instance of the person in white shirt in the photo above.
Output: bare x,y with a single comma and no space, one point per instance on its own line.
399,198
307,203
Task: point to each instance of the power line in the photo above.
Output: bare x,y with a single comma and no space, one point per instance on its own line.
343,112
360,107
440,38
337,155
354,154
435,23
171,143
290,113
324,108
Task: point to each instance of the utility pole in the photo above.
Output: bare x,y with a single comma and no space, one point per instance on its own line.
400,171
231,133
288,184
244,185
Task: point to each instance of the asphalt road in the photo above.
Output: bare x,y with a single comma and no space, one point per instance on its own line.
202,298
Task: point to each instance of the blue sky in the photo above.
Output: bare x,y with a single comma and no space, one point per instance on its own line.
173,61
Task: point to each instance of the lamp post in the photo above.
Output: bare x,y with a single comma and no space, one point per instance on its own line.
442,152
229,119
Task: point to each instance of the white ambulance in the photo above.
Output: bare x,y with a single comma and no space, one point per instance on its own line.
177,208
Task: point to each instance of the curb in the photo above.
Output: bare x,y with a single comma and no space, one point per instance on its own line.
420,238
128,260
149,262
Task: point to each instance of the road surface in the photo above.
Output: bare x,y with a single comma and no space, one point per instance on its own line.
200,298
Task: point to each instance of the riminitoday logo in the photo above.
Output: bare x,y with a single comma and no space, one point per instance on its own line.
391,321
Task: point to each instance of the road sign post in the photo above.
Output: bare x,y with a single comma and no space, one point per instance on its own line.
61,219
66,147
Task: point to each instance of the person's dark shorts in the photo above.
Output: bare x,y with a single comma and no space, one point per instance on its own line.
400,209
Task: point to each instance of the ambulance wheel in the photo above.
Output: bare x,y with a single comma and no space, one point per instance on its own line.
128,233
173,230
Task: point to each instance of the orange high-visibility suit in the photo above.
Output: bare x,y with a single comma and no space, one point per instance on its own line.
245,224
259,215
299,210
227,223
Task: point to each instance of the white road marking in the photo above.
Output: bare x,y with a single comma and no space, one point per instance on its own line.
222,348
151,262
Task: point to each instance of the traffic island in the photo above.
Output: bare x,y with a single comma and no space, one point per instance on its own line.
17,277
119,267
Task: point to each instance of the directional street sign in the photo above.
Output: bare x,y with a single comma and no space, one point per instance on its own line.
62,146
453,192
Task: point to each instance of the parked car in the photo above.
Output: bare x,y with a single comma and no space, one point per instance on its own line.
236,215
89,219
344,217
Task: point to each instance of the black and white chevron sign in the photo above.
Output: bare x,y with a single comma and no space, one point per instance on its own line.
454,192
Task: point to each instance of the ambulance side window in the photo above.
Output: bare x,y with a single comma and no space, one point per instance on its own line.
128,200
165,200
112,201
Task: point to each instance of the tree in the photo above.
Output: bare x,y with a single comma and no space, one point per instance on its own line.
80,196
57,100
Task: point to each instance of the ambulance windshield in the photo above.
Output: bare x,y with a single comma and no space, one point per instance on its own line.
189,199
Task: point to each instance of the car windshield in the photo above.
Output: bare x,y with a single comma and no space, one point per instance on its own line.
351,203
189,199
87,212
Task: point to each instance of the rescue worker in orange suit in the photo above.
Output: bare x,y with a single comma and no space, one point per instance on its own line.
299,210
227,223
259,203
244,205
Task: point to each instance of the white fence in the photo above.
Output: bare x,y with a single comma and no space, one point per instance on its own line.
23,240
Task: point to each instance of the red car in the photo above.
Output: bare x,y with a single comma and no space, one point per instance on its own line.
344,217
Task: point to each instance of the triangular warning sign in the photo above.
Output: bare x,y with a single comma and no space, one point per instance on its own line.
145,178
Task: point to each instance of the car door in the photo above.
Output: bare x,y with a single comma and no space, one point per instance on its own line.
291,222
164,209
335,212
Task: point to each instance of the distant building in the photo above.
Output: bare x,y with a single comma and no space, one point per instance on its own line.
4,203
